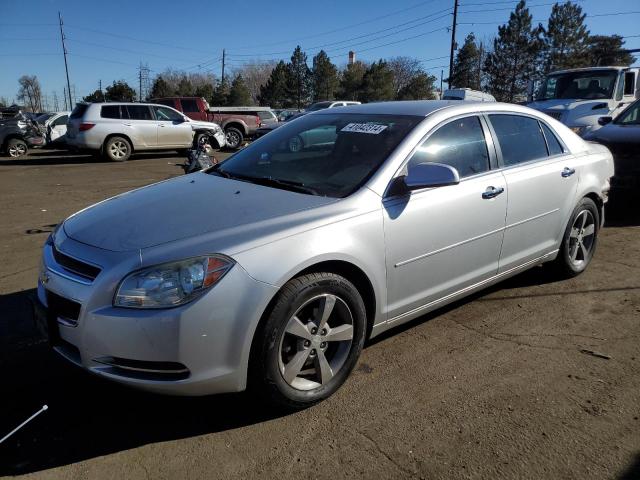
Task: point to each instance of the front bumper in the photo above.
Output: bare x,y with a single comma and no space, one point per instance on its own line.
199,348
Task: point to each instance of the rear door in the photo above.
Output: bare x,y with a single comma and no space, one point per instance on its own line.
542,179
173,130
140,125
442,240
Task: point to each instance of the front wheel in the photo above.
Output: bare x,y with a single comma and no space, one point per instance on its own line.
310,341
16,148
233,137
580,240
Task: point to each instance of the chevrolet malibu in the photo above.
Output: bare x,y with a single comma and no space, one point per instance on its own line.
270,270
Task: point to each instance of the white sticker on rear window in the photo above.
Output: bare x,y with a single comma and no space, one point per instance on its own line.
372,128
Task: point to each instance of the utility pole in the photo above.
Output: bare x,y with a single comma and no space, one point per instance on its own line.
453,39
66,67
140,83
100,88
56,106
480,66
441,77
224,54
64,96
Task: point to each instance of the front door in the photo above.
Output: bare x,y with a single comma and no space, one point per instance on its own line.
173,131
442,240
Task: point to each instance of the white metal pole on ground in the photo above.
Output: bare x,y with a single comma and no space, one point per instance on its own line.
44,407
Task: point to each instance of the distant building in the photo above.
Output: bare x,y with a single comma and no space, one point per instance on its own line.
352,57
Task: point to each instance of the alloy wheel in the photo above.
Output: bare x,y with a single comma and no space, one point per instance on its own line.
118,149
17,150
316,342
581,238
233,140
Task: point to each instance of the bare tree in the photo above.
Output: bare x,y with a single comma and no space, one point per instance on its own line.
404,70
30,92
255,75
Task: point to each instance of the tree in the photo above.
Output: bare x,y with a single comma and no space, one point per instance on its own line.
239,94
299,81
30,92
515,56
274,91
404,70
161,88
377,83
185,87
255,75
220,96
607,51
120,91
4,101
351,81
420,87
566,38
467,66
96,96
325,77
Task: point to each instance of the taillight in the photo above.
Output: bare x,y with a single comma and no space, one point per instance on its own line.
86,126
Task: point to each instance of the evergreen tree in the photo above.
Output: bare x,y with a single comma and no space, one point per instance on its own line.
566,38
185,87
420,87
607,50
299,80
466,67
96,96
351,81
220,96
239,94
120,91
274,91
515,56
325,77
160,88
377,83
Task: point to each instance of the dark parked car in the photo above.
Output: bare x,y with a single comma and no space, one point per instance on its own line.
622,136
17,134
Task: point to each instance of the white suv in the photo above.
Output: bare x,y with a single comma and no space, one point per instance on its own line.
119,129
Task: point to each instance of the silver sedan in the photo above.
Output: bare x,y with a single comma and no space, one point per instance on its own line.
270,270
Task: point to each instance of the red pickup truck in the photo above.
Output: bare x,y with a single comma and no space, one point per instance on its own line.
238,123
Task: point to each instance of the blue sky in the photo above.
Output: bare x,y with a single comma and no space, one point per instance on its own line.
108,40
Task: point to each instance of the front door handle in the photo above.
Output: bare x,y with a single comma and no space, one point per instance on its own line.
492,192
567,172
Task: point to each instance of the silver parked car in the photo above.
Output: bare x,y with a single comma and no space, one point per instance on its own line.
293,259
119,129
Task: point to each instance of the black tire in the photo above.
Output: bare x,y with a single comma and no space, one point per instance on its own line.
17,148
117,149
267,369
571,260
196,139
234,137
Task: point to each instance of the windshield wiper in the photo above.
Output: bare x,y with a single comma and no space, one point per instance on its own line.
286,184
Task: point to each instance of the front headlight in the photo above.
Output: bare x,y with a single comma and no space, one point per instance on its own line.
171,284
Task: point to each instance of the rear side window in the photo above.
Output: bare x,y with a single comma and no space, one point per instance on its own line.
189,105
459,144
555,148
79,110
138,112
110,111
520,138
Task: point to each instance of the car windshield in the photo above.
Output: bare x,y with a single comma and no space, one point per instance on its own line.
323,154
587,85
631,116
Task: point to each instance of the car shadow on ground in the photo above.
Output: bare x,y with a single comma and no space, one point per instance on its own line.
623,208
62,157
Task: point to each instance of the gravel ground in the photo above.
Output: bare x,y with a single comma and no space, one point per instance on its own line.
533,378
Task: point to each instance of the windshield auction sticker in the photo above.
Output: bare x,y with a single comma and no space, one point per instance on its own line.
371,128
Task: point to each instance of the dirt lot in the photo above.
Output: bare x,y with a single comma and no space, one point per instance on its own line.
496,386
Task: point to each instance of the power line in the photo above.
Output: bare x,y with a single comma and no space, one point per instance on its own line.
125,50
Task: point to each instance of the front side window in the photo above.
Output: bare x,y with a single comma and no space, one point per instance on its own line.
631,116
629,83
137,112
328,155
165,114
459,144
189,105
520,138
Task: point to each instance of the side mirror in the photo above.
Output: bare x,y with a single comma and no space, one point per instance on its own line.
427,175
605,120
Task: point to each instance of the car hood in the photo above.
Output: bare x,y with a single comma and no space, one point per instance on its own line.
570,110
184,207
197,124
617,134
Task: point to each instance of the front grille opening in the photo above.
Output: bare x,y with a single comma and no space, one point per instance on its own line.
62,307
74,266
144,370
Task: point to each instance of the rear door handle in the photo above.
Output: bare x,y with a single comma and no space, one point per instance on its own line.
492,192
567,172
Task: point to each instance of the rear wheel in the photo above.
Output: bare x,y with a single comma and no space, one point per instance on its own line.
310,341
233,137
117,149
580,240
16,148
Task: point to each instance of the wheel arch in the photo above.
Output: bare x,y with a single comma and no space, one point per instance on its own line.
123,135
597,199
237,125
11,136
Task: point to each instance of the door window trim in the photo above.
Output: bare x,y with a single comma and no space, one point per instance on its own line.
491,150
528,163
